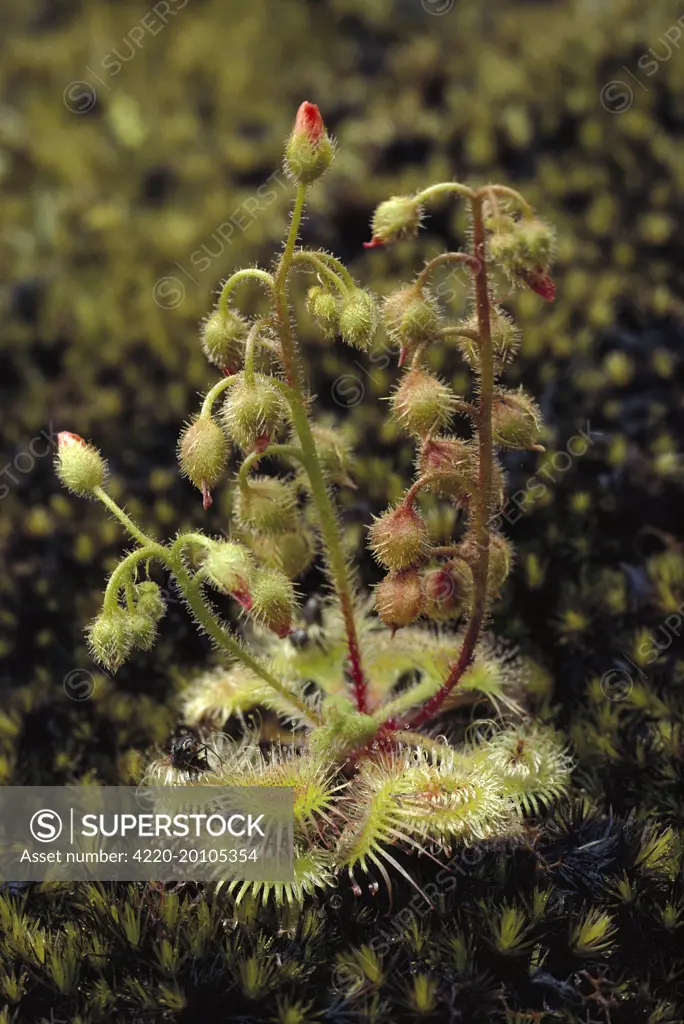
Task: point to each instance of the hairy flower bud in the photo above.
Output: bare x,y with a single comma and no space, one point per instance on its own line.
396,218
142,630
411,318
273,601
422,402
525,250
291,552
500,557
203,453
109,639
449,462
334,454
223,339
148,600
324,307
309,150
505,340
399,598
359,319
267,505
516,420
230,567
448,590
253,413
79,465
399,538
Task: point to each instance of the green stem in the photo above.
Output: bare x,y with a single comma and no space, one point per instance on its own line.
443,189
319,489
504,190
339,267
122,574
249,273
303,256
250,346
441,260
126,521
213,394
289,451
482,499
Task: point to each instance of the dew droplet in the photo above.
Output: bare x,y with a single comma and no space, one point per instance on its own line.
373,888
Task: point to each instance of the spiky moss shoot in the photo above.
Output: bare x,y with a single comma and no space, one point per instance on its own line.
396,218
324,307
253,413
268,505
223,339
273,601
593,934
399,598
309,150
79,465
422,995
422,402
229,567
292,552
203,452
516,420
411,318
448,591
500,557
359,319
109,639
399,538
334,453
505,336
450,464
345,729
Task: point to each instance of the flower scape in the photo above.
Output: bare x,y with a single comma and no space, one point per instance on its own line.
388,749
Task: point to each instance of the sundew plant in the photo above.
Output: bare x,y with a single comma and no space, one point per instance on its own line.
370,692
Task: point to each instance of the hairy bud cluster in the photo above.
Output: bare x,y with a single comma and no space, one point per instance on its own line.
399,598
500,557
516,420
203,452
223,339
448,591
397,217
112,635
411,318
450,465
505,337
79,465
273,601
253,413
422,402
229,567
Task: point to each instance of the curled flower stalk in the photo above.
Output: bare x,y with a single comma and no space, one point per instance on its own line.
370,783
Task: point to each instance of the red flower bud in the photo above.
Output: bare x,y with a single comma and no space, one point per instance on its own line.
540,283
309,122
65,439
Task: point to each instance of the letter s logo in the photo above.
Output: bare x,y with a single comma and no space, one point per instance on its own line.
45,825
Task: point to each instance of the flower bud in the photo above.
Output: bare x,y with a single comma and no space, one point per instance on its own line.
267,505
253,413
230,567
422,402
203,453
223,339
516,420
399,598
448,590
109,639
291,552
309,150
142,630
505,336
450,463
500,557
324,307
79,465
525,251
399,538
273,601
396,218
411,318
149,600
359,319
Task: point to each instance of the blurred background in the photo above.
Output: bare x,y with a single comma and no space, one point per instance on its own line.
140,156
